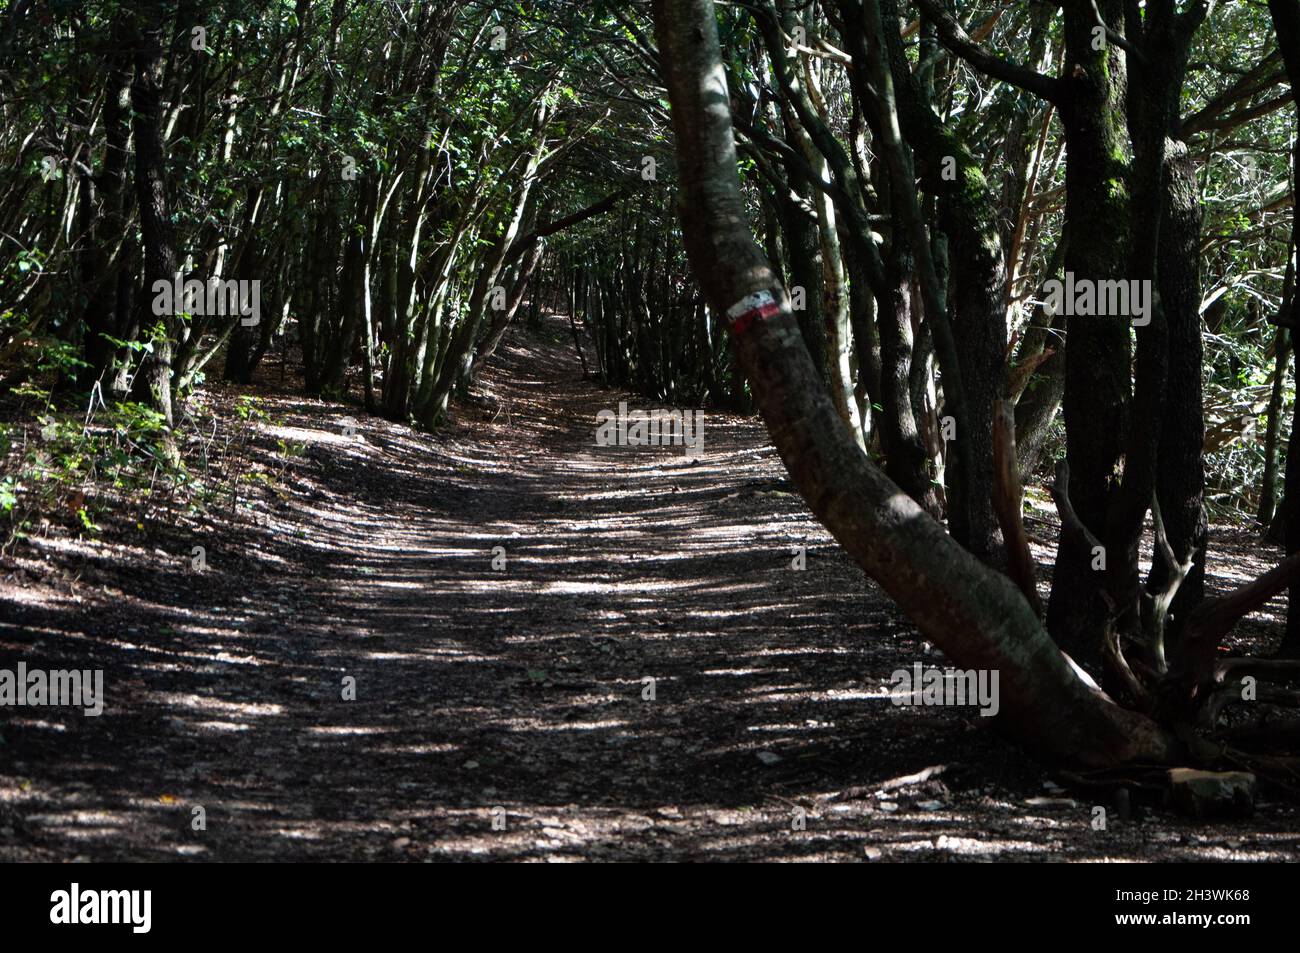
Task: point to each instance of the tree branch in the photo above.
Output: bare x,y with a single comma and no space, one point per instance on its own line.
1118,39
1008,497
956,39
1214,618
596,208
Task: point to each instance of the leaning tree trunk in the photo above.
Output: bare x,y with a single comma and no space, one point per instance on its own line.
973,613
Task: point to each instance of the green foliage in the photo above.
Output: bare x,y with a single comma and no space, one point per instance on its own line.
441,126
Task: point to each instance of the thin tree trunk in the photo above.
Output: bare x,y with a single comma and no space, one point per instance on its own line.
1273,433
154,379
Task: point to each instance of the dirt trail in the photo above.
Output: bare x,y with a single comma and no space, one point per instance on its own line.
512,693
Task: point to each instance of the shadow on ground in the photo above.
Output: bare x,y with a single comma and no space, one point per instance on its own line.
512,697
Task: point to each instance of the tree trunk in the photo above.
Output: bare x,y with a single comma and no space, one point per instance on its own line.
1180,474
101,316
1273,435
1097,350
153,381
1286,21
968,217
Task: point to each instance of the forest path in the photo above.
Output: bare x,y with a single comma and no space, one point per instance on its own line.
512,694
